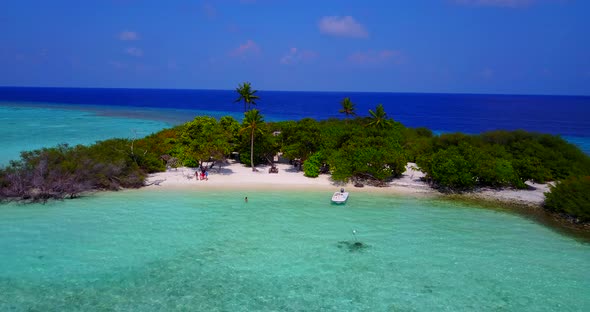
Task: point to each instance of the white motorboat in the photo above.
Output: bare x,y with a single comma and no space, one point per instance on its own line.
340,197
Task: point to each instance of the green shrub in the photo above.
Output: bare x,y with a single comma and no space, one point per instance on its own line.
191,162
572,197
311,167
451,170
376,158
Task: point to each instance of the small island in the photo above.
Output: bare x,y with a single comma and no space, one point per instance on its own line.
374,151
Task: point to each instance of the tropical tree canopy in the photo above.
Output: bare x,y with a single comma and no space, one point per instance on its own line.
253,123
378,117
301,139
202,139
347,107
247,95
231,128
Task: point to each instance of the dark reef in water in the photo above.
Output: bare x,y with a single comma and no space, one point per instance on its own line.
352,246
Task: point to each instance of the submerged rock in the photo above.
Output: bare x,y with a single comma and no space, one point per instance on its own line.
352,246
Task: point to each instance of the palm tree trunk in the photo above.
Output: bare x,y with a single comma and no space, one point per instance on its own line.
252,150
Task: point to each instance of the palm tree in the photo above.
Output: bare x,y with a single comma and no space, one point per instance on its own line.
253,121
247,95
378,117
347,107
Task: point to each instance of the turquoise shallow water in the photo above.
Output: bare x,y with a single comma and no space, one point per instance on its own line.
582,142
210,251
27,128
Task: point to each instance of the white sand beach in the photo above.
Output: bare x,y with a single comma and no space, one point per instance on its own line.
533,196
236,176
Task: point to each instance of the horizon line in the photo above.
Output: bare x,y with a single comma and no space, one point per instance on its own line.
322,91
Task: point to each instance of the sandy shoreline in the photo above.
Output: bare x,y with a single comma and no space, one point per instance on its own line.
235,176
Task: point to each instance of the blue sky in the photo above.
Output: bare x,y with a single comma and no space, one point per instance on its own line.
446,46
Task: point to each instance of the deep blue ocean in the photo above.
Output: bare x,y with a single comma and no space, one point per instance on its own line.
568,116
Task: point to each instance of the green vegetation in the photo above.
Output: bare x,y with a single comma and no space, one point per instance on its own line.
570,197
347,108
252,124
373,149
497,159
201,139
247,95
65,171
313,165
378,117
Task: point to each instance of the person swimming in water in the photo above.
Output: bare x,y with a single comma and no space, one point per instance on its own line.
246,199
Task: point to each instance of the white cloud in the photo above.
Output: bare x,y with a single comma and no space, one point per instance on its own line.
128,36
248,48
295,56
137,52
342,26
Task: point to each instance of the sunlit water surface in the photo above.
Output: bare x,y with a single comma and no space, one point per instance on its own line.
284,251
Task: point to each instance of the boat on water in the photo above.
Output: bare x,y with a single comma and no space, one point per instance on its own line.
340,197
